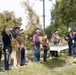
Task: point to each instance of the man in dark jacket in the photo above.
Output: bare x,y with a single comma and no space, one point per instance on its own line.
7,48
70,43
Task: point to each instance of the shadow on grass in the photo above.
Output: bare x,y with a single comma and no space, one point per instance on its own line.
54,63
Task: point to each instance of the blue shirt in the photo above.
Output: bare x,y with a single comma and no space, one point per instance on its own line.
15,35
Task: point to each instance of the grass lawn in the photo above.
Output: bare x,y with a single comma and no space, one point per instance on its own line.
51,67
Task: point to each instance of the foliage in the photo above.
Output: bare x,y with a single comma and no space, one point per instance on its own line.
62,30
64,13
32,17
15,43
8,20
29,43
49,30
56,66
63,16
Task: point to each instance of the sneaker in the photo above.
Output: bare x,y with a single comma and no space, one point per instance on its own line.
50,57
75,58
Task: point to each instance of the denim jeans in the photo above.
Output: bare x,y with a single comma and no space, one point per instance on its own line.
37,52
22,57
74,51
71,51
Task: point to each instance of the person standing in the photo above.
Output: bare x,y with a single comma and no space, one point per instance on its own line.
16,36
45,47
74,45
22,39
37,42
7,48
70,43
55,42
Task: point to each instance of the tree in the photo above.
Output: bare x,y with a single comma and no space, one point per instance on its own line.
8,20
32,18
64,13
63,16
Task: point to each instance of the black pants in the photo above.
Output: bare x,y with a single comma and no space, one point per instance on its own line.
45,55
54,53
7,59
22,56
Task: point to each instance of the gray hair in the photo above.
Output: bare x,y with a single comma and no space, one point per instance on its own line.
8,29
37,31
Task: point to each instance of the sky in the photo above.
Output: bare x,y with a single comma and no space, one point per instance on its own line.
15,6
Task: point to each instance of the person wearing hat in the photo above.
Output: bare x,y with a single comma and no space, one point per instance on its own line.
16,36
22,46
7,48
37,42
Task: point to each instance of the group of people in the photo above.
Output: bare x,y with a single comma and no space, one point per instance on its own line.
72,43
18,39
55,39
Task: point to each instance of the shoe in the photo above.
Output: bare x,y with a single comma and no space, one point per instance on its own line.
75,58
26,63
8,68
50,57
2,70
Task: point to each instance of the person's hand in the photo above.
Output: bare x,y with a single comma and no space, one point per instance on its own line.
35,48
18,45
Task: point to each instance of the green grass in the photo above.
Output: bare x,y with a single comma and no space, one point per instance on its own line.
51,67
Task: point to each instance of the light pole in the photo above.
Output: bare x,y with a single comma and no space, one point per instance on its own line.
44,14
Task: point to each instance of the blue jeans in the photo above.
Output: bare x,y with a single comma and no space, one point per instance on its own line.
72,50
22,57
37,52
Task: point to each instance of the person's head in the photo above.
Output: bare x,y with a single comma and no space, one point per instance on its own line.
71,32
74,32
17,30
45,36
22,34
56,31
38,32
8,30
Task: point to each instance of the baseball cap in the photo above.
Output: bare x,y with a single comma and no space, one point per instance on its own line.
17,28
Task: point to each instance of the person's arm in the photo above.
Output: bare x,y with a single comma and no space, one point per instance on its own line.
40,40
5,40
52,38
67,38
34,42
34,38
